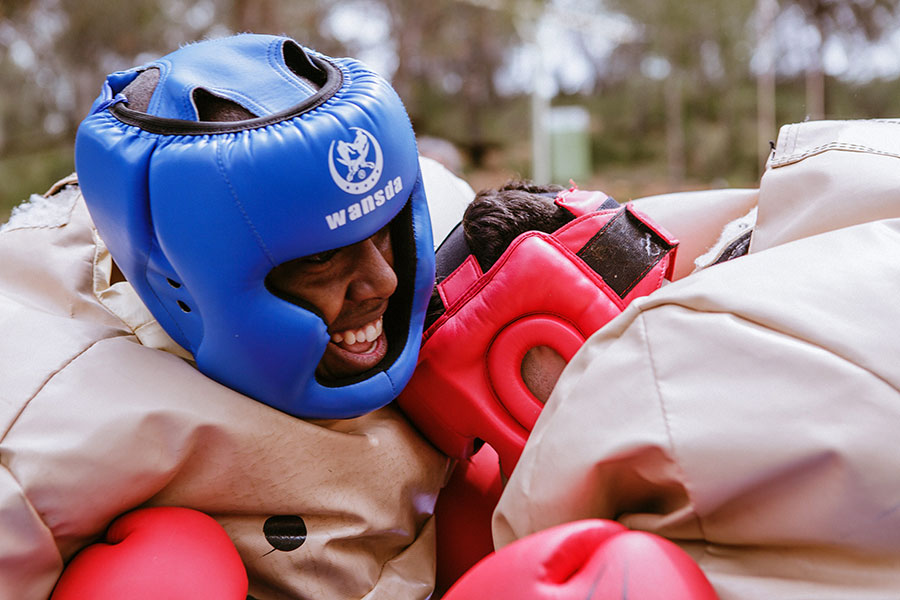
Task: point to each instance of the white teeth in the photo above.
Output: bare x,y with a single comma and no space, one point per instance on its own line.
368,333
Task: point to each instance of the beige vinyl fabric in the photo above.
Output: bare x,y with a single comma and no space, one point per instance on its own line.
100,412
749,411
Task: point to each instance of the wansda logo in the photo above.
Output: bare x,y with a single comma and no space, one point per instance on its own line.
360,159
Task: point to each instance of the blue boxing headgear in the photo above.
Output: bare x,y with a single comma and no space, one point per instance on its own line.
196,213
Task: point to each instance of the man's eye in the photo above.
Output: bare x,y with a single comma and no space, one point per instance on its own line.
320,257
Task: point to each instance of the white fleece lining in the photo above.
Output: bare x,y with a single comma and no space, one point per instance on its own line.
730,233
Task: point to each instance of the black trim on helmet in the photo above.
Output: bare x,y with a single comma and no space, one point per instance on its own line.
333,80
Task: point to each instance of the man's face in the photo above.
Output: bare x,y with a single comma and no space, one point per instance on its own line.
350,287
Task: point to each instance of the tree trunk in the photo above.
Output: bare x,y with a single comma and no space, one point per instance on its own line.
765,79
815,88
675,141
257,16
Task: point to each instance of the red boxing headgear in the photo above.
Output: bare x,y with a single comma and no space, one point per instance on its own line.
550,290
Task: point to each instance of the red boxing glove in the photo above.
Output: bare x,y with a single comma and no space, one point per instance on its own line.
163,553
584,560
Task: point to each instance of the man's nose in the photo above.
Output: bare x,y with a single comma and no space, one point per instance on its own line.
374,274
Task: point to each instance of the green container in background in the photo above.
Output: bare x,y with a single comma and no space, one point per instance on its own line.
570,144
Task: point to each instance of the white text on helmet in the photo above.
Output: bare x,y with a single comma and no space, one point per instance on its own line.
366,205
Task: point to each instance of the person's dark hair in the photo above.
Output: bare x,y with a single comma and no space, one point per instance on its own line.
498,216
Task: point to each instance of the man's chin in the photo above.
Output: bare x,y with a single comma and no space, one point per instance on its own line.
341,361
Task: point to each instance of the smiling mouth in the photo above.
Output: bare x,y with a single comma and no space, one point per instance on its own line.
354,351
351,338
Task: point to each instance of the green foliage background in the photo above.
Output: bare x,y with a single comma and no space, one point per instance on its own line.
695,127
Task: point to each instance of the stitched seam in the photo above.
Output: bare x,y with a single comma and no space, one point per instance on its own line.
482,281
165,69
707,542
187,102
793,337
464,266
43,385
631,285
273,53
485,365
40,518
222,171
792,158
665,415
794,135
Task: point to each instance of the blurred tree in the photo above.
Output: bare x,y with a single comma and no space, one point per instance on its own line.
866,20
697,48
57,52
93,37
9,8
258,16
671,83
54,55
453,49
766,123
304,21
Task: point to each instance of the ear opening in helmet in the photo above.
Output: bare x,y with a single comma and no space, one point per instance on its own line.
540,370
